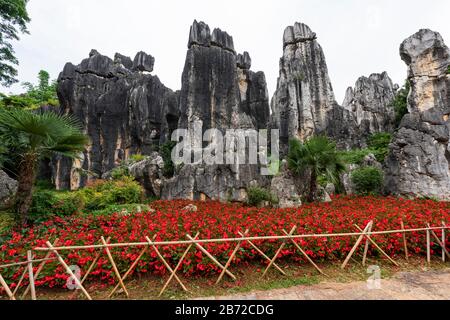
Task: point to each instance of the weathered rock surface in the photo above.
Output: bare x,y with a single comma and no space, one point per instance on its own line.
149,173
218,92
304,94
371,104
304,104
419,159
8,188
285,188
123,111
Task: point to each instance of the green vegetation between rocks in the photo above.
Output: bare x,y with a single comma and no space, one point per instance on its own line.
258,196
378,145
367,180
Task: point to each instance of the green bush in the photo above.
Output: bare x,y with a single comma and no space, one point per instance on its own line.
137,158
166,153
128,208
379,145
47,204
120,172
400,102
116,192
257,196
367,180
355,156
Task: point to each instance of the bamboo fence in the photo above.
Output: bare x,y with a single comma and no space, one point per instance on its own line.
53,252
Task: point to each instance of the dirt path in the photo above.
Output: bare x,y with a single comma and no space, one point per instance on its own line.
431,285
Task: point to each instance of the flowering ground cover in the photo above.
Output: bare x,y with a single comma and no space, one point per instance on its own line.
218,220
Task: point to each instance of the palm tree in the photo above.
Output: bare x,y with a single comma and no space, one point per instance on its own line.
318,156
34,136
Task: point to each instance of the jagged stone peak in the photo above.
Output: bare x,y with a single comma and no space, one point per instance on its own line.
244,61
200,34
143,62
123,60
299,32
425,45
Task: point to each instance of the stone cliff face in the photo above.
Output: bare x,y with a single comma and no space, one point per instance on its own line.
419,159
370,101
123,109
304,94
218,92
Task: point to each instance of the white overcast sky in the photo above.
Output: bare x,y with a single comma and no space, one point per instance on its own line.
358,37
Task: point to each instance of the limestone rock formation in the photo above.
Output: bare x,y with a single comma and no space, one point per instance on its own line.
285,188
8,188
304,104
149,173
304,94
419,159
123,111
218,92
371,103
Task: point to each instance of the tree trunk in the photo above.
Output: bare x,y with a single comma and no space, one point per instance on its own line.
24,196
312,187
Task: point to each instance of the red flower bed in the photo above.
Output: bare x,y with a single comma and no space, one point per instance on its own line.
217,220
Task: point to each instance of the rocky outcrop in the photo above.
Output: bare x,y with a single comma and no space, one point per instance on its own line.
304,104
149,173
219,91
419,158
304,95
285,187
123,110
8,188
370,101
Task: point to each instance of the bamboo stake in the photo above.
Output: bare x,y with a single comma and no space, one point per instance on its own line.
199,246
444,240
306,255
366,248
165,263
5,286
264,255
379,248
404,241
63,263
94,262
25,263
441,244
361,237
24,273
130,269
278,252
31,274
41,266
187,242
116,271
227,265
428,247
178,266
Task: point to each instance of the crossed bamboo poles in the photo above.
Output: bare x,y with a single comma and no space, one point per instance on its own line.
105,245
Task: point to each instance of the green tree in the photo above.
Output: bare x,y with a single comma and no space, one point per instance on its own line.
319,157
13,20
400,102
43,93
34,136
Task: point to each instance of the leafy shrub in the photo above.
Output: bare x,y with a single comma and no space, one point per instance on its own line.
137,158
257,196
166,153
400,103
129,208
47,203
379,145
367,180
355,156
120,172
101,194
